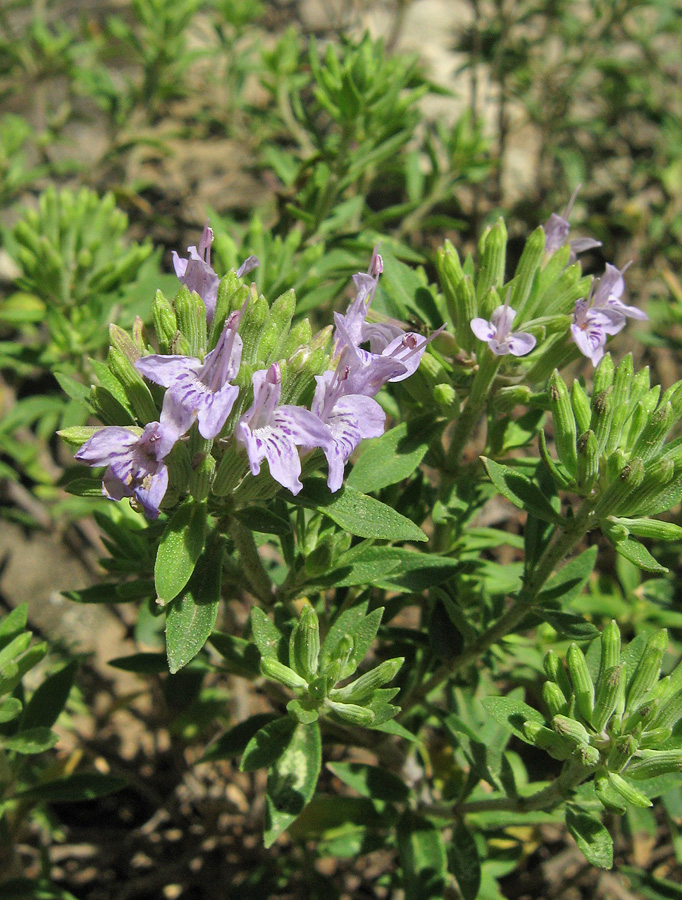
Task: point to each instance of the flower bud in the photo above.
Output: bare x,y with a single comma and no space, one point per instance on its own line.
554,699
608,797
654,763
137,392
527,268
617,493
555,670
564,422
366,684
654,737
587,461
335,668
232,295
621,407
581,407
641,415
276,329
621,752
651,528
203,471
350,712
273,668
252,324
571,729
230,471
300,336
608,694
654,433
582,681
610,647
305,643
629,793
546,739
493,250
603,375
191,314
648,670
602,414
587,755
670,713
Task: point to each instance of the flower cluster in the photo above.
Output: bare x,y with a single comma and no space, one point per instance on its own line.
202,390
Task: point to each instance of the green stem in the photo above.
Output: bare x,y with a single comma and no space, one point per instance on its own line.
252,565
472,408
563,541
550,796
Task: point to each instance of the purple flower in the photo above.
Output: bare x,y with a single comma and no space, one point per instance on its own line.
348,417
196,389
393,354
498,335
135,466
609,292
366,284
591,327
196,272
273,432
558,228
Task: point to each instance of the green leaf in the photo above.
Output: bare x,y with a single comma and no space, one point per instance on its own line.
179,550
292,780
592,838
240,655
513,713
521,491
10,709
392,457
269,639
192,616
345,623
569,625
638,554
262,520
357,513
422,858
49,698
329,814
141,663
464,861
30,740
569,581
371,781
13,623
267,744
394,567
234,742
74,788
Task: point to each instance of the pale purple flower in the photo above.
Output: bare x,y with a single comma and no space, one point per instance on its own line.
607,296
356,314
348,417
498,335
135,466
273,432
199,390
198,275
196,272
591,327
393,354
558,228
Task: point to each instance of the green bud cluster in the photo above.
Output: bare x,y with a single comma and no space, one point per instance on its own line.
542,290
617,724
612,449
124,398
315,673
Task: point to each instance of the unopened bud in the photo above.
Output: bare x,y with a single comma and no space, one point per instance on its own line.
564,422
276,329
648,670
555,670
191,315
582,681
628,792
273,668
588,461
350,712
581,407
557,746
654,763
554,699
608,694
571,729
527,268
621,752
364,686
305,644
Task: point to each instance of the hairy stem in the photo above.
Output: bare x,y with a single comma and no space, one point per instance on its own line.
563,541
